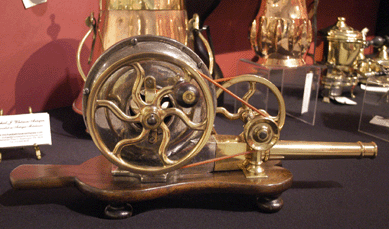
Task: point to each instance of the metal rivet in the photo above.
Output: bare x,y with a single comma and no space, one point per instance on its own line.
86,91
133,41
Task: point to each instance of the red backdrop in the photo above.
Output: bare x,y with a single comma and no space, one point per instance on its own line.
38,45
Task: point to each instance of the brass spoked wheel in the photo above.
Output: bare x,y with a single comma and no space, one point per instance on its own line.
261,130
150,113
253,80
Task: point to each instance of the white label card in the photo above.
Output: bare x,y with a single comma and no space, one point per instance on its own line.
30,3
25,130
307,92
374,88
380,121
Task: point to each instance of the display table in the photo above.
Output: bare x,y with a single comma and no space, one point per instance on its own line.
325,193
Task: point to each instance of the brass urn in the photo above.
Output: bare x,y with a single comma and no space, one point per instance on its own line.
344,57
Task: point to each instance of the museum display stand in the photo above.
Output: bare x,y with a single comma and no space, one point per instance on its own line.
299,87
374,119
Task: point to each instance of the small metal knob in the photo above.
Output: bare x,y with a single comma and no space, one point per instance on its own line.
186,94
152,120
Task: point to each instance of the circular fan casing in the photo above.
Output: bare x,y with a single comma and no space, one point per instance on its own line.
131,110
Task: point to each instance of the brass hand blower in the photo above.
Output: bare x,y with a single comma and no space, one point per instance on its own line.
149,104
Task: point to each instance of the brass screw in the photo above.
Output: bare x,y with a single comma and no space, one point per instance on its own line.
149,82
261,134
189,97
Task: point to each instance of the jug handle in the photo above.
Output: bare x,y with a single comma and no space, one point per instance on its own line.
195,26
91,23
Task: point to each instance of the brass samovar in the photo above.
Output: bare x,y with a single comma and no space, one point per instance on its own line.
344,47
346,62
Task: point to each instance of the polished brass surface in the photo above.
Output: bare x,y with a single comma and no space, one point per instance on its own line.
194,26
290,150
150,111
130,96
91,23
144,4
37,152
282,32
118,19
344,44
295,150
261,133
347,64
149,105
346,61
336,79
383,57
229,145
244,112
261,136
123,19
253,166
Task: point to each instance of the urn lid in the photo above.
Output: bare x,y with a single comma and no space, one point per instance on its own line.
342,32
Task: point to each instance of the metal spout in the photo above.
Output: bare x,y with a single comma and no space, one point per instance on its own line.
228,145
298,150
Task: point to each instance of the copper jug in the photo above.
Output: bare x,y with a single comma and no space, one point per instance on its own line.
281,32
121,19
127,18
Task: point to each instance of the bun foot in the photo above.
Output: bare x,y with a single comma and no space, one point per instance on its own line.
118,211
269,204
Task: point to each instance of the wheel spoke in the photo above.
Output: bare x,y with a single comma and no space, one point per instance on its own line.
227,114
116,110
250,92
163,146
179,113
160,94
125,142
139,126
246,97
140,74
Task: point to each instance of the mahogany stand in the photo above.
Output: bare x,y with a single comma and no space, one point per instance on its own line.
94,178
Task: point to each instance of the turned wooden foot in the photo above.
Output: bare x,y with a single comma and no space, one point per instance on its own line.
269,204
118,211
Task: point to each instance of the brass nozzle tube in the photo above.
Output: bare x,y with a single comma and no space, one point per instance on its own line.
298,150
